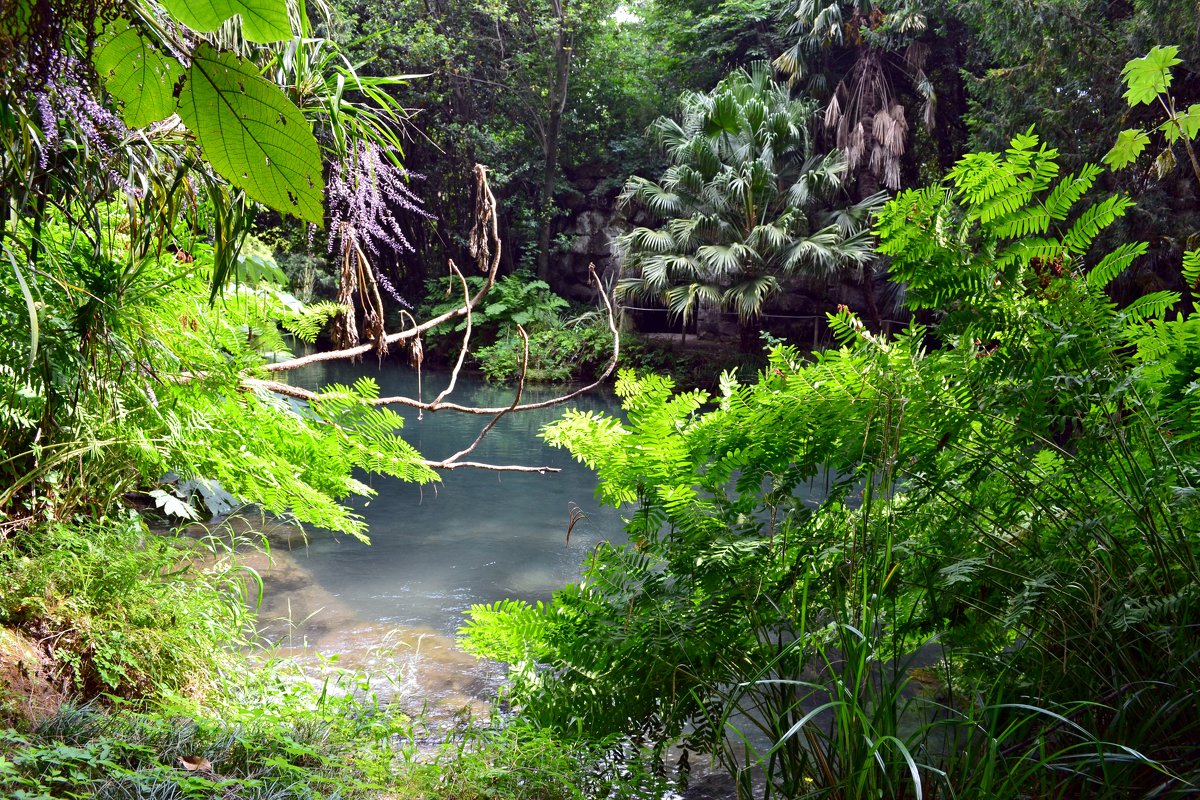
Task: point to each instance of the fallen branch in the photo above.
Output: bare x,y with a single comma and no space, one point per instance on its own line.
516,401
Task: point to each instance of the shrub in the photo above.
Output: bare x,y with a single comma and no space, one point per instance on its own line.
899,554
121,610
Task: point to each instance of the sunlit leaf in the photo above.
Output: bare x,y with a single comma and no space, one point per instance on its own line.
1185,124
262,20
1149,76
252,134
142,78
1130,144
172,506
1191,267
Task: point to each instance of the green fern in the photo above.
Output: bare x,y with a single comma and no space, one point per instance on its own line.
1191,268
1115,263
305,324
1150,306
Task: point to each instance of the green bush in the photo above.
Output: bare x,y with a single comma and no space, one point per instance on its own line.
556,354
561,348
124,611
514,760
963,561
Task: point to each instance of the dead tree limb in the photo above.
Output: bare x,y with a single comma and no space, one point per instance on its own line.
485,247
516,401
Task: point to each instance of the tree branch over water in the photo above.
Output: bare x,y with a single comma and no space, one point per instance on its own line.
485,248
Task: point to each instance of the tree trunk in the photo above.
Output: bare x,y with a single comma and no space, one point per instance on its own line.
563,53
748,335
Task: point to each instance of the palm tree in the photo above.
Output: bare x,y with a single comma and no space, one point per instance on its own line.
863,48
742,206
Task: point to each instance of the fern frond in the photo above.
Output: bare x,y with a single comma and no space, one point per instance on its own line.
1114,264
1069,190
1095,219
1191,268
1150,306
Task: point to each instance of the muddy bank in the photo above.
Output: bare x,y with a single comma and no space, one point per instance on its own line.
30,689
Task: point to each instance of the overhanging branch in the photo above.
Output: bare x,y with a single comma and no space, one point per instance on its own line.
485,248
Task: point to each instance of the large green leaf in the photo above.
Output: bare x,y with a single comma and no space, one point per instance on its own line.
252,134
142,78
1130,144
262,20
1149,76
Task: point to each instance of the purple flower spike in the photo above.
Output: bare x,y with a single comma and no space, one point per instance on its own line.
364,192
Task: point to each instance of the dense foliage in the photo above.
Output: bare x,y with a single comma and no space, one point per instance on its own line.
962,561
743,205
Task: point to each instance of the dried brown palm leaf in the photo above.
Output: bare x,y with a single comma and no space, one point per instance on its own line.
883,128
915,56
833,112
345,325
891,174
856,147
878,158
898,132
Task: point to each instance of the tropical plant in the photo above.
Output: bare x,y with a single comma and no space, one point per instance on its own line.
135,367
899,554
1148,80
744,206
863,49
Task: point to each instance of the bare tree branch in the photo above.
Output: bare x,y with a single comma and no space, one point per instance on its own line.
400,400
516,400
609,369
462,351
492,467
485,248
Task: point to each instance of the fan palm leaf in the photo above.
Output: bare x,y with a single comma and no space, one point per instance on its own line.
683,301
734,208
748,297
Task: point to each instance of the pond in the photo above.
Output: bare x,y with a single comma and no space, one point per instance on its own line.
476,537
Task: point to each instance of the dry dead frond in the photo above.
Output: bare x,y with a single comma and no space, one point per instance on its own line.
833,112
915,55
857,146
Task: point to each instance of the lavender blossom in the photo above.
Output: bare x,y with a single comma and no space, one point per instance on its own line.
49,128
364,193
67,100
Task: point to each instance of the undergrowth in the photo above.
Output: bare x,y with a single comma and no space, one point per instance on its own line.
151,637
121,611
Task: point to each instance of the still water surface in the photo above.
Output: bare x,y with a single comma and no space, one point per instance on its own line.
393,607
477,536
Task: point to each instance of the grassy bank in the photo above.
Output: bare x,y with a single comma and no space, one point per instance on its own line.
128,669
